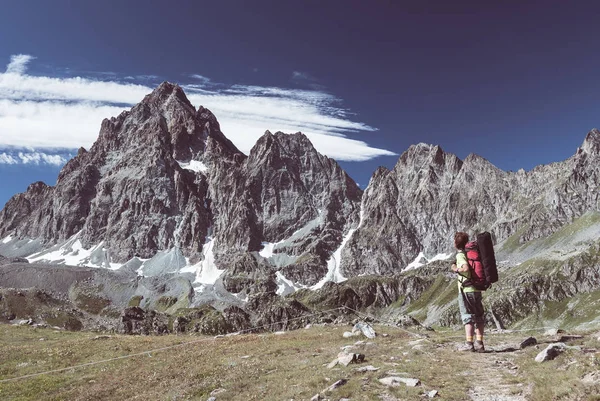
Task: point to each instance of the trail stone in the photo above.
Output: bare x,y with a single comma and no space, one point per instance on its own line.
528,342
551,352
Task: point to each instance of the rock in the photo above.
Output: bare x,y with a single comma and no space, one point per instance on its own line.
364,328
528,342
368,368
432,394
211,399
317,397
345,358
551,352
337,384
394,381
571,337
103,337
591,378
552,332
217,391
348,334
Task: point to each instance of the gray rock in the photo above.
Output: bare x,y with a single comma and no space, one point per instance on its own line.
368,368
337,384
394,381
528,342
550,352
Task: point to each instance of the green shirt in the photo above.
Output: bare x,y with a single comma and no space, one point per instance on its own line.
461,259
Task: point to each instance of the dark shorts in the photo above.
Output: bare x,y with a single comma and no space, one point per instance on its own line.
471,307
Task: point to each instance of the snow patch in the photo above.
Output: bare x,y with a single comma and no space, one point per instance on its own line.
422,260
286,286
206,271
333,264
268,249
280,259
73,253
195,166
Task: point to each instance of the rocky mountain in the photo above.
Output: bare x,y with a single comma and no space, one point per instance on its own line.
429,194
165,196
163,183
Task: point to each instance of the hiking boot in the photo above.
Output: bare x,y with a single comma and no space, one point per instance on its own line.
467,346
478,346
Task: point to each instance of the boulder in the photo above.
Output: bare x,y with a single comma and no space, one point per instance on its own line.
551,352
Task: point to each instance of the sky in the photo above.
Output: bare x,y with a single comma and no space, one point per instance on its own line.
515,82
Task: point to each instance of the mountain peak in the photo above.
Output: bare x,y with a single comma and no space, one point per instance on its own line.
419,153
167,92
591,143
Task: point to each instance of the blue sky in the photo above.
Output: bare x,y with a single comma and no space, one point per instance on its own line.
516,82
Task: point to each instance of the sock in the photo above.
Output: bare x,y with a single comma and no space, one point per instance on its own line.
469,339
480,338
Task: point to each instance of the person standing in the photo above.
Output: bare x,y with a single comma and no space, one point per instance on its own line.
469,298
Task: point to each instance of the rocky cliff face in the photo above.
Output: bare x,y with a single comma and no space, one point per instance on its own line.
429,194
162,177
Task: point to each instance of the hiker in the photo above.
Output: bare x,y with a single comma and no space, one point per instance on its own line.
469,298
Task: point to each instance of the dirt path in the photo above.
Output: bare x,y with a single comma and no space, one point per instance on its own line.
490,371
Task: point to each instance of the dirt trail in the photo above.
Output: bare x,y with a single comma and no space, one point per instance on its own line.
490,371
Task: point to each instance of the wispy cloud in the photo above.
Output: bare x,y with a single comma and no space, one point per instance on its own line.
66,112
301,76
18,63
200,78
33,157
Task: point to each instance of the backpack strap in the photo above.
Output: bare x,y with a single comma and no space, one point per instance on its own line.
467,281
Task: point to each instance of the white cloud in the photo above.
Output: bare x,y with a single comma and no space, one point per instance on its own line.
18,63
33,157
299,76
50,112
200,78
7,159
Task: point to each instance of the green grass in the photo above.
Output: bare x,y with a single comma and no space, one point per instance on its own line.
278,367
135,300
442,292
